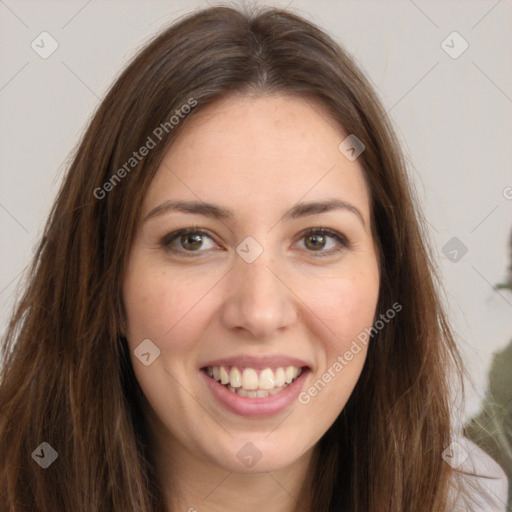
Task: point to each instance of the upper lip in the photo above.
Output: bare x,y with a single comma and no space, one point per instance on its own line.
257,362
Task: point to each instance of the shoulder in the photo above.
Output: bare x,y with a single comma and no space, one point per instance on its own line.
479,484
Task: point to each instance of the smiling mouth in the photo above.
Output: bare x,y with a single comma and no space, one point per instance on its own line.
252,383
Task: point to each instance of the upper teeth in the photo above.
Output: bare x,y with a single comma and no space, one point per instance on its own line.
250,380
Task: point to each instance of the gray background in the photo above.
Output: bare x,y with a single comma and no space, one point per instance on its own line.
453,117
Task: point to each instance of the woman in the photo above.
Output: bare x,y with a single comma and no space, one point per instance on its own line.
232,306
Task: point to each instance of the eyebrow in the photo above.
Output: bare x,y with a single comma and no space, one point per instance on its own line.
217,212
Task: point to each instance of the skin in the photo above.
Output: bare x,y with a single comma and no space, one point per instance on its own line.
257,156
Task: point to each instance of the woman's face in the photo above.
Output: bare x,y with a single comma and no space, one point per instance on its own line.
254,294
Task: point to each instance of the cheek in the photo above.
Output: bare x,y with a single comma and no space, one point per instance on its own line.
346,306
155,302
171,308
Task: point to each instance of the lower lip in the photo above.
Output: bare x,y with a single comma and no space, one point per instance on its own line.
256,407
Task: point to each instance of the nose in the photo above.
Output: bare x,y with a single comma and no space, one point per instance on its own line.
258,299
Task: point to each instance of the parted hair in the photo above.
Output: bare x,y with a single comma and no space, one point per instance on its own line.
67,378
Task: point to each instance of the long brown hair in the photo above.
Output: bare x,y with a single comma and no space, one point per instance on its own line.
67,378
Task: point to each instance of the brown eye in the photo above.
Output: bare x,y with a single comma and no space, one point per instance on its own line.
191,242
324,241
315,242
188,240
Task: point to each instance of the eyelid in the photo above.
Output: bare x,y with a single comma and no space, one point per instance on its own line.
342,240
166,241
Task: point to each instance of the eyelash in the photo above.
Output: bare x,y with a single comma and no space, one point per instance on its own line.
344,243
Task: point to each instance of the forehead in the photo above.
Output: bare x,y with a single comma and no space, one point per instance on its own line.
262,151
